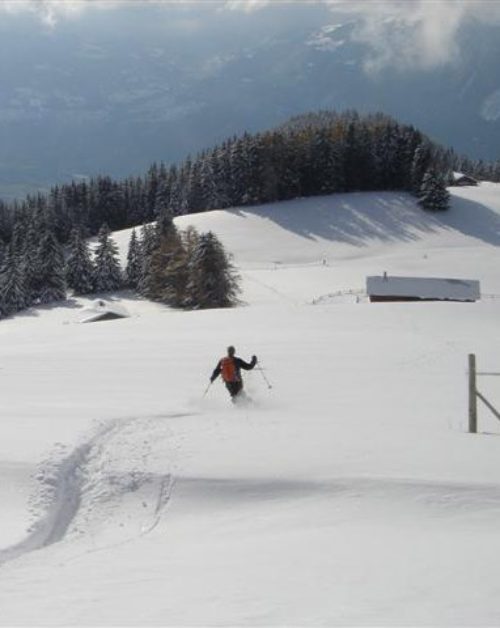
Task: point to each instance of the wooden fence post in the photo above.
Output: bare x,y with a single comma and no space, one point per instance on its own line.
472,395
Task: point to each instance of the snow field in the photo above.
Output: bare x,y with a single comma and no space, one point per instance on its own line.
349,494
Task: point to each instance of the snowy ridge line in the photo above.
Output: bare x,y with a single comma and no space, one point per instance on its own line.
101,489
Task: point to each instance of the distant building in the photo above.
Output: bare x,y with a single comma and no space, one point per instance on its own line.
460,179
101,310
387,288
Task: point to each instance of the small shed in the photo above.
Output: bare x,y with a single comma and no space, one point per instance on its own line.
101,310
389,288
460,179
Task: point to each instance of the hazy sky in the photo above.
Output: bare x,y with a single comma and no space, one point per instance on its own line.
416,34
110,85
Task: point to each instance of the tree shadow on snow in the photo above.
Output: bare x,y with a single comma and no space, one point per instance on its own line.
360,218
472,219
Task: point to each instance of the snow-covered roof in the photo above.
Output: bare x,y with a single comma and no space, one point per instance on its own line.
423,288
103,310
459,176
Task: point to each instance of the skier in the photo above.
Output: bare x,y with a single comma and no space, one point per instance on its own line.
229,368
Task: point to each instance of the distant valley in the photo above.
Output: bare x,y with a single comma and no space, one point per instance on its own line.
113,92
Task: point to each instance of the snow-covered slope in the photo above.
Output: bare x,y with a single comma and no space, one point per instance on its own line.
347,494
325,244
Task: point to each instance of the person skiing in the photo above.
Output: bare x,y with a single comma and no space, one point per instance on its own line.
229,368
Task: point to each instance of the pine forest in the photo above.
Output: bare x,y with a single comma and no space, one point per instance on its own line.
44,248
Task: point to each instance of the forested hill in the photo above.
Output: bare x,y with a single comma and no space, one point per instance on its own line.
320,153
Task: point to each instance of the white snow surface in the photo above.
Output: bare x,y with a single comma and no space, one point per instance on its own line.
349,493
423,287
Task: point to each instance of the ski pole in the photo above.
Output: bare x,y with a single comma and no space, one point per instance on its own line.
207,389
259,368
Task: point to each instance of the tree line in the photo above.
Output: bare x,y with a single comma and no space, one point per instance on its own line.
182,269
320,153
43,238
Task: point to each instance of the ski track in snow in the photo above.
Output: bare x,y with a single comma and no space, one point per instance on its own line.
101,487
103,494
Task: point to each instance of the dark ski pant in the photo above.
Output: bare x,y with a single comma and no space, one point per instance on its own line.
234,389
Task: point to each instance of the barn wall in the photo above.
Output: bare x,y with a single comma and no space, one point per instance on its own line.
386,298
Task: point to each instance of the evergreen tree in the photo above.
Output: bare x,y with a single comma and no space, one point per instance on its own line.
162,197
107,275
136,202
79,266
108,205
353,173
190,239
254,162
148,243
151,191
420,165
496,172
5,221
212,281
433,194
176,193
183,183
3,267
17,241
324,167
194,197
3,256
3,252
168,270
134,262
51,277
165,246
164,226
288,157
220,166
30,261
12,286
238,173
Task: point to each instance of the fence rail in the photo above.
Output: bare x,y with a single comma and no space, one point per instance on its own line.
474,394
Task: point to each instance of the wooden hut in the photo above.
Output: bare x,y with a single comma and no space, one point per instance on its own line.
389,288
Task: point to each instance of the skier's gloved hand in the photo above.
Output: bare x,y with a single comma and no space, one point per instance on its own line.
254,360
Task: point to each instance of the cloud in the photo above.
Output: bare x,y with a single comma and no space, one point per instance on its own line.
50,12
422,34
246,6
402,34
